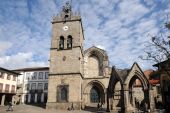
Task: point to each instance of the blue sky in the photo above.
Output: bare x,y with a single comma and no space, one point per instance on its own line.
121,27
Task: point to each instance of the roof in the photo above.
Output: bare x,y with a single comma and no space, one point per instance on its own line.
154,82
32,69
9,71
165,61
122,73
148,73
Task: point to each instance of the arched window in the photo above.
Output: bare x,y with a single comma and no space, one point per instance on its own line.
69,42
63,94
61,42
94,95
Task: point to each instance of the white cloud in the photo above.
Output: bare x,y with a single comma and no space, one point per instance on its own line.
118,26
4,46
20,60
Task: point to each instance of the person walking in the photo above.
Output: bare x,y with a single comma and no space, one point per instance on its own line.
10,107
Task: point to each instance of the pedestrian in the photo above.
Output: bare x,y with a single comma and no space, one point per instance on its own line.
72,107
10,107
98,106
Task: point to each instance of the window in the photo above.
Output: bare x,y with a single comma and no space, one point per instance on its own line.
40,86
94,95
13,89
61,42
34,76
14,78
40,75
62,93
46,75
27,86
8,77
69,42
33,86
7,88
1,87
27,76
2,75
45,86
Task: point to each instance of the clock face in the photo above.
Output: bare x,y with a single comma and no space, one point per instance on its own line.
65,28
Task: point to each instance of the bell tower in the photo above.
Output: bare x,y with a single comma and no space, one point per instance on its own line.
66,60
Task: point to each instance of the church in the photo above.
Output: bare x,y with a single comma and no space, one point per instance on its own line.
82,78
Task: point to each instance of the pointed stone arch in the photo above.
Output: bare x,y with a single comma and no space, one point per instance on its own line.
101,60
135,73
86,92
115,96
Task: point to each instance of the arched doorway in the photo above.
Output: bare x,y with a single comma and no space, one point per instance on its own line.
94,93
137,96
95,96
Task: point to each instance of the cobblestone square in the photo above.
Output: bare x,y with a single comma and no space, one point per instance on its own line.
36,109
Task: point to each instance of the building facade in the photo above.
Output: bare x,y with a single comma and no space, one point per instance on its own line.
76,77
82,78
33,85
8,85
164,70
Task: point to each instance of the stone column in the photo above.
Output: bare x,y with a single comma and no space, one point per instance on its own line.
35,99
133,98
3,100
29,98
42,97
126,99
151,100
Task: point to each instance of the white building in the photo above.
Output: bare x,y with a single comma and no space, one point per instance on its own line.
8,83
33,84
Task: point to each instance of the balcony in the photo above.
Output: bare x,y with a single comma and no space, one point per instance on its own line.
40,91
33,91
6,91
13,91
36,91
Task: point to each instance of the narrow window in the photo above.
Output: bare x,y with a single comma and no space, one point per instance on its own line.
45,86
46,75
61,42
34,76
63,94
1,87
33,86
40,75
8,77
13,89
7,88
69,42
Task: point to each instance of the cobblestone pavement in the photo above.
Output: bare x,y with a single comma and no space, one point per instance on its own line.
35,109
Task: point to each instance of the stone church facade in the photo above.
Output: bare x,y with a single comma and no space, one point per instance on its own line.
83,78
76,76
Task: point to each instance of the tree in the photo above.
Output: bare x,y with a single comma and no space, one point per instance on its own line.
158,49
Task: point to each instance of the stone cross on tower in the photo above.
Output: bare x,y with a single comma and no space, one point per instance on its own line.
66,11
